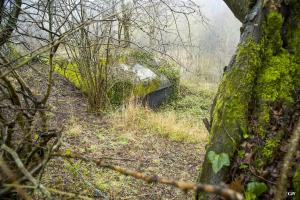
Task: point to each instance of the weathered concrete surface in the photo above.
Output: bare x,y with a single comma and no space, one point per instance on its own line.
141,74
158,97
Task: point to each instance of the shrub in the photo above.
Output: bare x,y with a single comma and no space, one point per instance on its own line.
120,92
172,73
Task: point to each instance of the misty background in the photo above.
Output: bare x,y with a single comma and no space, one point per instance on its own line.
202,43
214,42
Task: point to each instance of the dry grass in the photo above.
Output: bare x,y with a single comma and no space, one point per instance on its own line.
136,118
140,146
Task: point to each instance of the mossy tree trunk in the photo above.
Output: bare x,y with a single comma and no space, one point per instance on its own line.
257,102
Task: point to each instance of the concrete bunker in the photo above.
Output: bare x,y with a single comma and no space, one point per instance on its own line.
151,88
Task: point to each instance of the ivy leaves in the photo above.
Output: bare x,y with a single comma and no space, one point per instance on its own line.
218,160
254,190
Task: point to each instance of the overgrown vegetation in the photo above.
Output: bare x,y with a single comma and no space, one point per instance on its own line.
77,138
121,85
178,121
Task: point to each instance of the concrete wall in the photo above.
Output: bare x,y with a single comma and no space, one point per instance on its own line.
158,97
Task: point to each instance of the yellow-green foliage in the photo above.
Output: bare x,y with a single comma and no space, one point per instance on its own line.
101,184
278,77
270,145
278,73
124,90
231,107
143,58
120,92
272,33
194,100
146,87
166,68
12,53
73,168
275,81
70,71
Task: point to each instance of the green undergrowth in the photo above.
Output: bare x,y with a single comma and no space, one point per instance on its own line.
122,88
179,121
11,52
70,71
194,100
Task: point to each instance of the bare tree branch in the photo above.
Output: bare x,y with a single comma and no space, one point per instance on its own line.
183,185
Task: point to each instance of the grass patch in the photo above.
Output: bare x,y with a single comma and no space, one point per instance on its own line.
180,121
194,100
137,118
73,127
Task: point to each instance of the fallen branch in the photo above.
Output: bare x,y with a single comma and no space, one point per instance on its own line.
183,185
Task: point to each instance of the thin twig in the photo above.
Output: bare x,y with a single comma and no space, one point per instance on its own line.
34,170
22,168
11,175
260,177
69,194
88,159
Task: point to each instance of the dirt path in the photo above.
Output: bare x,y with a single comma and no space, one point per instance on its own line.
95,137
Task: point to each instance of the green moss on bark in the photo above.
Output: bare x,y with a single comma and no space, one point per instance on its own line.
235,90
277,79
231,106
258,90
230,111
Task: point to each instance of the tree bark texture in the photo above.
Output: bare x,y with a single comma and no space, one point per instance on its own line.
11,23
257,103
